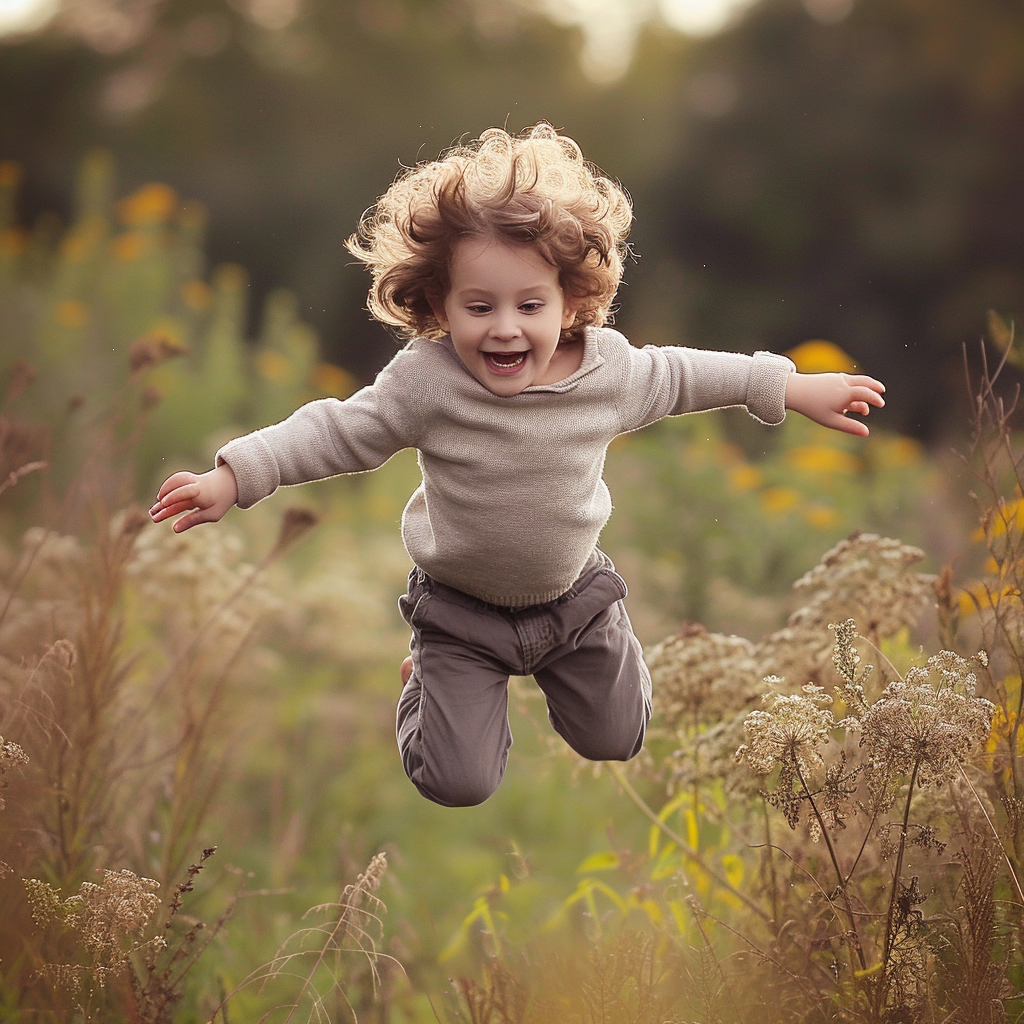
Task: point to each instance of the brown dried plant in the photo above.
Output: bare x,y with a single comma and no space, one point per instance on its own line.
318,960
119,645
106,951
706,682
991,606
920,732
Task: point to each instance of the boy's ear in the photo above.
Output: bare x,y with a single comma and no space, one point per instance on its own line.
437,308
569,310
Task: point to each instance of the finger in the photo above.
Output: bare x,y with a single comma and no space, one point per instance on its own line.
186,522
186,493
861,408
174,481
863,381
850,426
865,394
211,514
158,515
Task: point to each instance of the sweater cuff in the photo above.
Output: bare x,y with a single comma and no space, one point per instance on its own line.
254,466
766,389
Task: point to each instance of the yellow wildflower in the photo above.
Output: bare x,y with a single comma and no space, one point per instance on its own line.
744,477
333,380
71,313
273,367
130,246
821,357
822,458
148,206
821,517
10,173
197,295
12,242
776,500
897,452
157,345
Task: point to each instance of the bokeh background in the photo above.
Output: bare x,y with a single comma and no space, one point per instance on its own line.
829,169
837,179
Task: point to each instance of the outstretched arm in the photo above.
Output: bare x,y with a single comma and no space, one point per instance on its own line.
205,497
826,398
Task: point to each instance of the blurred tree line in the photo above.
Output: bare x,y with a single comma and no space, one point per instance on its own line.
812,171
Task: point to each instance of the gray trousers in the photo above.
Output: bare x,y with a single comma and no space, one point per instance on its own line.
453,728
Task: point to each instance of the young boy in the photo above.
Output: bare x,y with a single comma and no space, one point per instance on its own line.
500,261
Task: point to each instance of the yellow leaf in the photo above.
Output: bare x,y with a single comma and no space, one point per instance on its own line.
734,871
680,915
605,860
998,330
692,830
653,912
666,865
868,971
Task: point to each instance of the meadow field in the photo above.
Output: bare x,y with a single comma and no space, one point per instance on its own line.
204,816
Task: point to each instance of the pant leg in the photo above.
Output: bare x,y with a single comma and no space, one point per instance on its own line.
452,726
597,686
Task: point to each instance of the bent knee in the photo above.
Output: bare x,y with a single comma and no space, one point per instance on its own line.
457,792
623,747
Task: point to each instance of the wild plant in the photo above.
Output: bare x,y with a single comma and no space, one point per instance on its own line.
317,962
991,606
119,647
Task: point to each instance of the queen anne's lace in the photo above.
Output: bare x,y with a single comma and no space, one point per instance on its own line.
930,727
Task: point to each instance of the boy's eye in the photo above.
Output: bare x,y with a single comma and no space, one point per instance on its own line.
532,307
479,308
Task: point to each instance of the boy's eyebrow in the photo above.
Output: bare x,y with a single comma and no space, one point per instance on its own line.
541,287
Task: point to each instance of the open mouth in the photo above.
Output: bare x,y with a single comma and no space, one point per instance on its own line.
504,362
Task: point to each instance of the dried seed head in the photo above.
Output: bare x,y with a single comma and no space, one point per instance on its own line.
11,756
866,577
932,728
701,677
295,523
789,732
102,916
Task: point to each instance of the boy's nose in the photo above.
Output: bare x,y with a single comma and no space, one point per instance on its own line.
505,328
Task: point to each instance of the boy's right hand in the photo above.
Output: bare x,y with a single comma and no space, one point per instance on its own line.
205,497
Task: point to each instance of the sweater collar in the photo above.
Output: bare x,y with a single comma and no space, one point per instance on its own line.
592,359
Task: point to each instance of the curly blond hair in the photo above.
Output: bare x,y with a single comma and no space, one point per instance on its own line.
530,189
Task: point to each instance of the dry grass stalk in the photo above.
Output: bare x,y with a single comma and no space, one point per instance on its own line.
353,919
120,703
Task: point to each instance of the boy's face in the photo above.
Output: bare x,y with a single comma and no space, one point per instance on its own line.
505,312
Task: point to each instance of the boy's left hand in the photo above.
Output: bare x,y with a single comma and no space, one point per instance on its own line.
826,398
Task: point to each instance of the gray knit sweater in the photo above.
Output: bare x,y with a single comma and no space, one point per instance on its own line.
512,499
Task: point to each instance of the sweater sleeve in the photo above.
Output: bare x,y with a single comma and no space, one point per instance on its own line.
670,380
322,439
